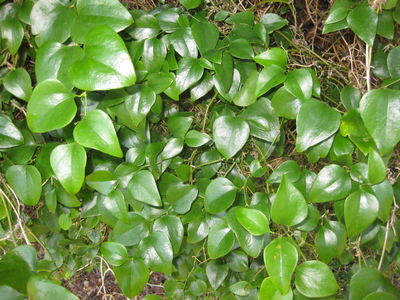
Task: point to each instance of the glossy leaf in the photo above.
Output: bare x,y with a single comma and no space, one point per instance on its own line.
184,42
384,193
219,195
53,61
173,228
360,210
18,82
230,134
253,220
393,62
154,53
97,131
156,251
241,288
246,96
114,253
172,148
195,138
132,276
189,4
189,72
376,167
280,258
269,78
241,48
139,102
65,221
68,163
26,183
143,188
224,72
269,292
363,20
10,135
13,32
216,273
16,266
273,22
315,279
300,84
316,122
340,231
378,110
206,35
350,97
290,168
106,64
220,240
43,289
102,181
273,56
289,207
92,13
197,230
115,203
129,234
50,107
326,243
332,183
181,197
52,21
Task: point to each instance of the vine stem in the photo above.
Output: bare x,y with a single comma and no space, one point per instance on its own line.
368,60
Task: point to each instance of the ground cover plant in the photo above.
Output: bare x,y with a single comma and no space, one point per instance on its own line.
202,143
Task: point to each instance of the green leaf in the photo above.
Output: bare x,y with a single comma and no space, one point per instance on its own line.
195,138
68,163
380,296
181,197
156,251
269,292
244,17
230,134
51,106
173,228
326,243
253,220
241,288
189,4
189,72
269,78
154,53
385,26
26,183
246,96
300,84
219,196
224,72
131,233
369,280
285,104
256,169
43,289
102,181
289,207
273,56
106,64
143,188
197,230
360,210
393,64
115,203
18,82
280,257
251,244
376,167
184,42
241,48
114,253
290,168
350,97
273,22
52,21
66,198
216,273
332,183
53,61
384,193
198,287
10,136
65,221
378,109
314,279
220,240
92,13
8,293
97,131
132,276
13,32
16,266
206,35
315,122
139,102
363,21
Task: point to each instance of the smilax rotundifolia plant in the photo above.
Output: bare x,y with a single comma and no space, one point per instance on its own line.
139,141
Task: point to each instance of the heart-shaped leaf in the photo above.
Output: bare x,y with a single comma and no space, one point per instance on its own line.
289,207
91,13
114,253
230,135
10,136
253,220
326,243
52,21
68,163
18,82
102,181
132,276
143,188
97,131
138,104
376,167
246,96
173,228
181,197
216,273
189,72
206,35
363,20
393,62
219,196
51,106
13,32
315,279
379,110
131,233
26,183
154,53
360,210
269,291
106,64
115,203
280,257
300,84
44,289
220,240
316,122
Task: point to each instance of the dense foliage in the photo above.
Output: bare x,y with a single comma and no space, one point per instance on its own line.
138,141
